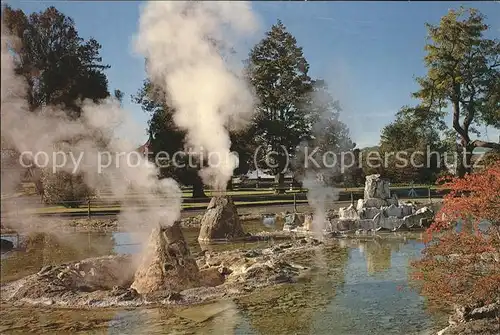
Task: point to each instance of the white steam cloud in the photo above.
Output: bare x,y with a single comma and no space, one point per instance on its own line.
184,44
42,131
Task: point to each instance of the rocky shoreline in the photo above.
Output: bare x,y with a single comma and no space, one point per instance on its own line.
102,225
474,320
106,281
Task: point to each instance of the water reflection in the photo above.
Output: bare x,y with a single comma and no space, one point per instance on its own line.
354,290
381,303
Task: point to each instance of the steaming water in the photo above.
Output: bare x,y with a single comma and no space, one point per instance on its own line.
367,292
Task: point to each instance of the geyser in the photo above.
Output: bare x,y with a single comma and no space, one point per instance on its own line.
185,44
50,130
167,264
221,221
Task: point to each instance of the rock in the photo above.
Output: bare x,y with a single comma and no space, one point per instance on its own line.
376,187
167,263
221,221
372,202
342,225
369,212
63,280
269,220
394,211
473,320
211,277
348,213
308,222
415,219
45,270
292,221
124,294
407,209
391,223
6,245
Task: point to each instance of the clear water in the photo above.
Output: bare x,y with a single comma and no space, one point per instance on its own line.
361,290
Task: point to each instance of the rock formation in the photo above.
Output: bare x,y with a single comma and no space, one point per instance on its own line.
379,210
293,221
221,221
167,264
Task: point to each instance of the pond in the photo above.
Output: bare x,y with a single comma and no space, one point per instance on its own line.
362,289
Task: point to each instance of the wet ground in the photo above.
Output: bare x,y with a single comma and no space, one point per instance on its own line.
361,290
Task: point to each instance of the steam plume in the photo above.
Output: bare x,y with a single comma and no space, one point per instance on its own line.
184,45
43,131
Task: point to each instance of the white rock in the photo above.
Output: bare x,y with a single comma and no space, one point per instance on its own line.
348,213
376,187
393,211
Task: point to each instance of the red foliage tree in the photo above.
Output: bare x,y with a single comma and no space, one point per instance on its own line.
462,266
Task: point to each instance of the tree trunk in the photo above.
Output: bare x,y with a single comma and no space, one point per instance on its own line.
279,181
229,186
464,164
198,191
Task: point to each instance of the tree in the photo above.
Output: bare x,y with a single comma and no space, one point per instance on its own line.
408,145
278,72
119,95
60,67
329,141
329,132
64,188
166,137
464,72
463,267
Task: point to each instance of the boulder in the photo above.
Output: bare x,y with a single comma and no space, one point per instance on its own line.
167,264
376,187
292,221
348,213
394,211
308,222
372,202
391,223
369,212
338,225
221,221
88,275
211,277
419,218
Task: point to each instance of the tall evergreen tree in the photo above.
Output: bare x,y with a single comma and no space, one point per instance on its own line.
278,72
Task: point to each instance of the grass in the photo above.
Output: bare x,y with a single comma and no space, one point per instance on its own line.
201,205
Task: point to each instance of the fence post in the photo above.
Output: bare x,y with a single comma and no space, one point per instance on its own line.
352,199
88,209
429,194
295,202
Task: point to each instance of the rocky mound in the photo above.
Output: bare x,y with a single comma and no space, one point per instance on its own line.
167,264
89,275
477,320
221,221
110,281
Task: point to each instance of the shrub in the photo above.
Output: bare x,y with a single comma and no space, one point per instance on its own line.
462,266
66,189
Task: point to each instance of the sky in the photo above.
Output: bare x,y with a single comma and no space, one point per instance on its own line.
368,52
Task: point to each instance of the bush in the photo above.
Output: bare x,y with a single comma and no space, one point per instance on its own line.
463,267
66,189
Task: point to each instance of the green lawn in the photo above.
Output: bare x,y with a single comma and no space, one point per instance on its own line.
201,205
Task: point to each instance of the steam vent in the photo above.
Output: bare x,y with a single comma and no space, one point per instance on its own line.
378,210
221,221
167,264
